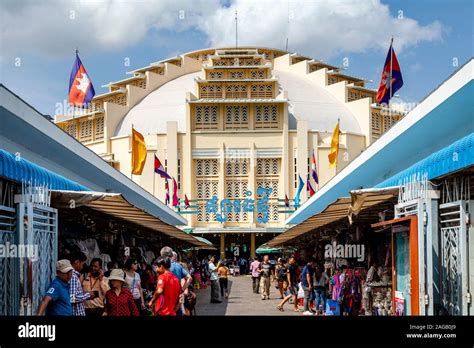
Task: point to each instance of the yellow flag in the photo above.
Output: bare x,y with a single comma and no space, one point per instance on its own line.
138,152
334,147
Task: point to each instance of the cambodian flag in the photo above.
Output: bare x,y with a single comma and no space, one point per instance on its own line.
313,169
175,193
391,80
159,169
309,187
81,90
186,202
287,201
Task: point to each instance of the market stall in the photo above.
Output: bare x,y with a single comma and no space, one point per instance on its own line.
107,226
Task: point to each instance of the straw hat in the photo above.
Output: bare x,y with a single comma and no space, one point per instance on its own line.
117,274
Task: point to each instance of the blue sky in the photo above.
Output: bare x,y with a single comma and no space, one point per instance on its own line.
38,42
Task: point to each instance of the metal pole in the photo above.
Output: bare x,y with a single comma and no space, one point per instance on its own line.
288,26
131,167
236,32
391,73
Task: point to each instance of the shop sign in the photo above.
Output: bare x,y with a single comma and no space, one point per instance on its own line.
225,206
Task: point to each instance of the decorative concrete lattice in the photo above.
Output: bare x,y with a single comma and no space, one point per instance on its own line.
210,91
216,75
71,129
236,117
99,128
207,186
261,91
237,167
257,74
236,91
206,117
85,130
268,170
266,116
207,167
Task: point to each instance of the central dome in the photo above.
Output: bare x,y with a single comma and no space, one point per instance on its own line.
307,101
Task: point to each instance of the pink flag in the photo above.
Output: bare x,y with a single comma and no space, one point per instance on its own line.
175,193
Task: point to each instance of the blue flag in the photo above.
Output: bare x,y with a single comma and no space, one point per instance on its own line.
298,192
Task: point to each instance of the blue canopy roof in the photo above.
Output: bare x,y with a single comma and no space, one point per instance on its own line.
444,117
456,156
22,170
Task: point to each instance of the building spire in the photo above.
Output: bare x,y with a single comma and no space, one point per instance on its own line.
288,27
236,31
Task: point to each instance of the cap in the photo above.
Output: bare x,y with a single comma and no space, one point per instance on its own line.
64,266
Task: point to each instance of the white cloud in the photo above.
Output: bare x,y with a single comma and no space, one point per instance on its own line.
320,28
56,27
317,28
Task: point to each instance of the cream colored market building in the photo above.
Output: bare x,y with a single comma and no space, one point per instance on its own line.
227,121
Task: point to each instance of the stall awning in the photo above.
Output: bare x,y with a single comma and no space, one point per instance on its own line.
361,201
208,246
116,205
264,250
21,170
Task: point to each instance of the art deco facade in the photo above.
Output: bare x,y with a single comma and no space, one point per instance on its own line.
227,121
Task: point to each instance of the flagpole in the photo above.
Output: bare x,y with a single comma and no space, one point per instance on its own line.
338,140
391,73
74,105
154,176
131,167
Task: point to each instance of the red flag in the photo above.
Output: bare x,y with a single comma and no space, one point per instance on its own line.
186,202
159,169
313,169
310,188
175,193
287,201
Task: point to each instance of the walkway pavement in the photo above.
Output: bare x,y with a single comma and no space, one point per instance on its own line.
241,301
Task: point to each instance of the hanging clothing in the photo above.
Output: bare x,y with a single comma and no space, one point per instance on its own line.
337,282
354,294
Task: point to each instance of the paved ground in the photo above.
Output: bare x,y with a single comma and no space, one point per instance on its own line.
241,301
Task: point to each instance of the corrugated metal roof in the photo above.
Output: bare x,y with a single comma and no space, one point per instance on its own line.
454,157
21,170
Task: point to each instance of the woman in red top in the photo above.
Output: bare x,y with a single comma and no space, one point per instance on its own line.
168,289
119,300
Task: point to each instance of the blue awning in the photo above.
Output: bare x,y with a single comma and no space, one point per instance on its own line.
22,170
454,157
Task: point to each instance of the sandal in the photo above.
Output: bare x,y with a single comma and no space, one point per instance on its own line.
297,310
280,308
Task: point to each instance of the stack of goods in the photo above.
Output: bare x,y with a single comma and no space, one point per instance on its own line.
382,305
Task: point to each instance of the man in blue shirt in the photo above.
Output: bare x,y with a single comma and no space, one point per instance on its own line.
184,277
57,300
307,284
178,270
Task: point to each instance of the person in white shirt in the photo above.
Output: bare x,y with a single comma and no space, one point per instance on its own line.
214,281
